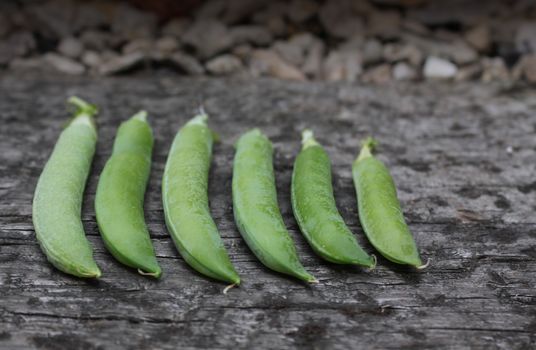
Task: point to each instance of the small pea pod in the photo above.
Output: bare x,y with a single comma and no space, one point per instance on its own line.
120,194
379,209
256,210
57,202
315,210
184,192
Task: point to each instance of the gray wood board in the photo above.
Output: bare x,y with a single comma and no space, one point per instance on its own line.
463,158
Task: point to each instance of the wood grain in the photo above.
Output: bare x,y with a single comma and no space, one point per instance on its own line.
463,158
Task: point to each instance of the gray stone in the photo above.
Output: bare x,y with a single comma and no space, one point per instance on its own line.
176,27
211,9
479,37
453,11
385,24
108,55
122,63
299,11
339,20
303,40
529,68
186,63
131,23
273,18
224,64
98,40
29,64
494,69
470,72
238,10
17,44
90,15
91,59
166,45
138,45
53,18
243,51
290,52
462,53
526,37
414,27
313,61
252,34
333,68
372,51
64,64
438,68
70,47
402,52
265,62
208,37
404,71
5,25
458,51
343,64
378,74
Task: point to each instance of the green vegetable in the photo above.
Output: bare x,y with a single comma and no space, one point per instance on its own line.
120,193
379,209
315,210
57,200
184,191
255,207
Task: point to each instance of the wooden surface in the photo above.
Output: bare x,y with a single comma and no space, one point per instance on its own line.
464,160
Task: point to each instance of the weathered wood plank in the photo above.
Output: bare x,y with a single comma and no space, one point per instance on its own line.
463,157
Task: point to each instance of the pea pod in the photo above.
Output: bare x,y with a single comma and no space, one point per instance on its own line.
120,193
255,207
315,210
379,209
57,202
184,191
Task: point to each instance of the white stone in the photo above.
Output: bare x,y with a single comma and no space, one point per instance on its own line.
438,68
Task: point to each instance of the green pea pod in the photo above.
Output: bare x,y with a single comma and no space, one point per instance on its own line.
315,210
57,202
379,209
184,191
256,210
120,194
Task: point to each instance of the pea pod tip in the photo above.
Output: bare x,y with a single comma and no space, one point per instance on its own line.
155,274
231,286
422,267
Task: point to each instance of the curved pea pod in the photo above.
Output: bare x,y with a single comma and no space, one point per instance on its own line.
57,202
379,209
315,210
120,194
184,191
256,210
